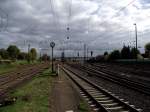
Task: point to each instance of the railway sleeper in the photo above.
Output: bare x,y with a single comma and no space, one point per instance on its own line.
98,95
116,109
105,101
111,105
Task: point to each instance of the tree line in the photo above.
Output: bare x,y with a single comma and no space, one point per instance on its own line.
125,53
14,53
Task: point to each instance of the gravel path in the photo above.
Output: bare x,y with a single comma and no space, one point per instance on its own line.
63,97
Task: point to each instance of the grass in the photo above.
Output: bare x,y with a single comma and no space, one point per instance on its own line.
6,68
32,97
9,67
83,106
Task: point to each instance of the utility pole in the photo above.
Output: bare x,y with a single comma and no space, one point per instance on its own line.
87,53
62,56
40,56
52,61
84,52
136,40
28,53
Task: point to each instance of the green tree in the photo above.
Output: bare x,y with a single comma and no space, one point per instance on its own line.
125,52
146,55
106,56
147,49
22,56
45,57
0,57
33,54
13,51
105,53
4,54
115,55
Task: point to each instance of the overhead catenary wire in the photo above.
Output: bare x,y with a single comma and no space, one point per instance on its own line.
1,17
55,16
89,25
70,12
4,19
26,29
123,8
120,29
52,11
1,22
120,10
69,19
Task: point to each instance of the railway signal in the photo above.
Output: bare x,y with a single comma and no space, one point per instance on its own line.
52,45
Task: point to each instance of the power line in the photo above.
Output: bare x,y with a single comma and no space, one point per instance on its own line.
4,19
70,12
56,22
69,19
123,8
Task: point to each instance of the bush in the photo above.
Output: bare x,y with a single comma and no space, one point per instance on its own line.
140,57
0,57
115,55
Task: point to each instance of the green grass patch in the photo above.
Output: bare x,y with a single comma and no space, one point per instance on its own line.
6,68
24,62
9,67
83,106
33,96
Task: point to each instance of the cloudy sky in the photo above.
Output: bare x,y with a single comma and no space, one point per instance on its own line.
100,24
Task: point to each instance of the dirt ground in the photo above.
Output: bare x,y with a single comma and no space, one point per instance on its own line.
63,97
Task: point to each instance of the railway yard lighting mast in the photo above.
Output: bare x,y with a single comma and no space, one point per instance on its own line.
136,39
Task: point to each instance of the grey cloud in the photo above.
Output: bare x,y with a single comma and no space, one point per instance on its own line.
93,22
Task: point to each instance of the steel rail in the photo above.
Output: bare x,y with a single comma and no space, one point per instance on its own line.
121,81
98,95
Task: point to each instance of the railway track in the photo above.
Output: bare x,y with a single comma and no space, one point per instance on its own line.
100,99
19,68
8,82
123,81
12,74
138,71
137,77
